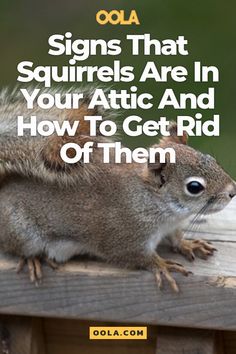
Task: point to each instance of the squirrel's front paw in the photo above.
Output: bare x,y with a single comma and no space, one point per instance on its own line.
163,267
200,248
34,268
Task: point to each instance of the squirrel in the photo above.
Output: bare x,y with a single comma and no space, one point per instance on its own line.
121,217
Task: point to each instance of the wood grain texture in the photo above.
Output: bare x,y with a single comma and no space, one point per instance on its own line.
92,290
185,341
89,290
72,337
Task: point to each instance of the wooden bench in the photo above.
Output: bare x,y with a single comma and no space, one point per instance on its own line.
92,291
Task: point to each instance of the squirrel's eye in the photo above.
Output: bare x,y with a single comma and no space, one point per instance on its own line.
195,187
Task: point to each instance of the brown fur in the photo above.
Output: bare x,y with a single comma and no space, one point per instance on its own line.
118,212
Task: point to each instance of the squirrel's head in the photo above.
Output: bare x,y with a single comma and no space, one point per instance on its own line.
195,183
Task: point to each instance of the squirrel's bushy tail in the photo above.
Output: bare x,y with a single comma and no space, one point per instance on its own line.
40,156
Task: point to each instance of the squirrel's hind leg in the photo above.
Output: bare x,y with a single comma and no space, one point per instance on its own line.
35,268
162,268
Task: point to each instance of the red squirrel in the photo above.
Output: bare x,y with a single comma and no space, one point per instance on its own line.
117,212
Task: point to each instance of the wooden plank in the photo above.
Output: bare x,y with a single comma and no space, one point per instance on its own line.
70,336
99,348
187,341
229,342
90,290
21,335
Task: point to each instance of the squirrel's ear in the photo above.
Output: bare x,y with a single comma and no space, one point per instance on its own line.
157,170
156,166
173,137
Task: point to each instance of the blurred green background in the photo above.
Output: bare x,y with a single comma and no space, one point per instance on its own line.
208,25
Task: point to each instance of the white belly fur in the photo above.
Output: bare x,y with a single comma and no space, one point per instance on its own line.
62,251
